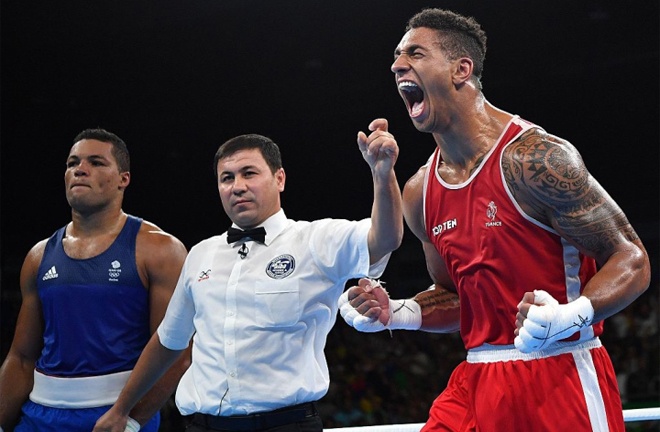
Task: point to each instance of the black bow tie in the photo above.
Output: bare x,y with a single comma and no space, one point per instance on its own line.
256,234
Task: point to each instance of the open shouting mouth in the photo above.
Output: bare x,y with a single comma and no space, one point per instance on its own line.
413,96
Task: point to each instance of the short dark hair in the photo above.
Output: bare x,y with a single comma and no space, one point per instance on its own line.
119,149
459,36
269,150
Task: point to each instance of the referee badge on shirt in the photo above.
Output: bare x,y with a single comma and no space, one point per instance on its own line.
281,266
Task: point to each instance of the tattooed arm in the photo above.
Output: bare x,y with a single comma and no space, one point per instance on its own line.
550,181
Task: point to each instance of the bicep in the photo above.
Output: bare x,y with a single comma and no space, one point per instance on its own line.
551,183
413,210
163,266
437,267
555,183
440,304
413,203
28,338
594,223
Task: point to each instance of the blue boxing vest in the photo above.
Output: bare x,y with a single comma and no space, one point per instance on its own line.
96,310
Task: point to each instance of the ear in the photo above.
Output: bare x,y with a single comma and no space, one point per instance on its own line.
280,178
124,180
463,71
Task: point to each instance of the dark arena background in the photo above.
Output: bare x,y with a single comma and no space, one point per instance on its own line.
175,79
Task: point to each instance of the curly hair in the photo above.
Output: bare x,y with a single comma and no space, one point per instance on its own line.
459,36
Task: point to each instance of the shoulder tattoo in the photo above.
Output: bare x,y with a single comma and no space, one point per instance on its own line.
547,175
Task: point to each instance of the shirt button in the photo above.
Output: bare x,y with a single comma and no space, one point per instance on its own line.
232,374
231,314
230,342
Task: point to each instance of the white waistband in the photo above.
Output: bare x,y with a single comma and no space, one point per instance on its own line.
501,353
79,392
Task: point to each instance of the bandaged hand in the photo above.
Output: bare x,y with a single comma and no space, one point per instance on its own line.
541,320
368,308
132,425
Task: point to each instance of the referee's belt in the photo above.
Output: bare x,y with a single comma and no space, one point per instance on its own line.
258,421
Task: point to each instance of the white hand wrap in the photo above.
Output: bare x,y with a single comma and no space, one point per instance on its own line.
354,319
547,321
132,425
404,315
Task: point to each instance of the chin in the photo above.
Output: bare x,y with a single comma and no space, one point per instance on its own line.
244,222
422,126
425,123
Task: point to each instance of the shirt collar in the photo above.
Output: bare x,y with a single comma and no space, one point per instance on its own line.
274,225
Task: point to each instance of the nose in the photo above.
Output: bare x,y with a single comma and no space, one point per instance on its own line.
399,65
81,169
239,186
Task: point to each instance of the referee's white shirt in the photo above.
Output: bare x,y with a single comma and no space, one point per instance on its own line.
260,323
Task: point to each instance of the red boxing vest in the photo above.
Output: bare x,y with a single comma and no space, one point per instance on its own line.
495,252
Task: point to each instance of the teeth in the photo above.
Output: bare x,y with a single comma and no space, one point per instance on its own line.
407,85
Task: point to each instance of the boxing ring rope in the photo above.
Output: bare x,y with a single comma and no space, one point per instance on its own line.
629,415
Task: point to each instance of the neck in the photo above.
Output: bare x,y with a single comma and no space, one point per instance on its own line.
246,225
95,223
473,133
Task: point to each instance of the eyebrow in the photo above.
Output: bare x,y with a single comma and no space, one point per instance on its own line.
410,48
241,169
90,157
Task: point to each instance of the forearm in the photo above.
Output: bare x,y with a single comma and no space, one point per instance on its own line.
152,365
161,391
16,381
623,278
368,308
386,216
440,310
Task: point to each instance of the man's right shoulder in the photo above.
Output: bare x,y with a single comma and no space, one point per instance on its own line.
415,184
34,257
413,202
38,249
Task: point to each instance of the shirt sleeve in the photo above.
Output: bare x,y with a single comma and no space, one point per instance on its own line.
340,247
177,326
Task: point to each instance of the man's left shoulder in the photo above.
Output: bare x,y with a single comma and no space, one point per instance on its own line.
153,238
